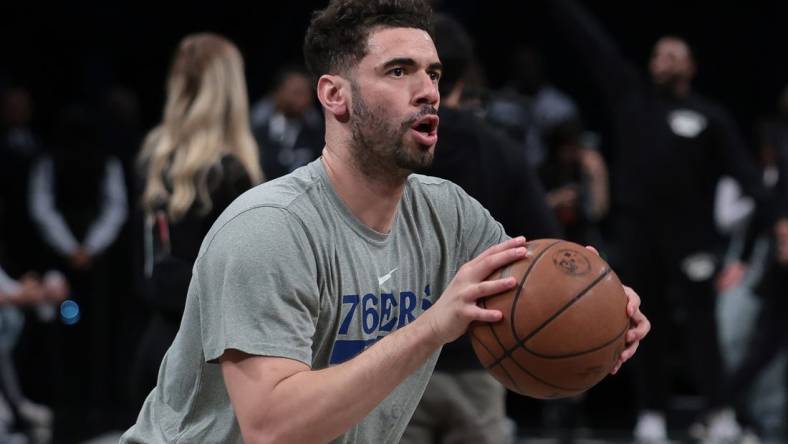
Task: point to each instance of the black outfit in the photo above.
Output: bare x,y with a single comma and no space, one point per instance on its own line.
491,168
81,347
769,335
669,154
286,143
19,147
166,288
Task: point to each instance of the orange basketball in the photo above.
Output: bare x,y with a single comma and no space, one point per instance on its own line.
563,326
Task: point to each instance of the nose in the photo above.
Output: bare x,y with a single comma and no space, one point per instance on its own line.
426,90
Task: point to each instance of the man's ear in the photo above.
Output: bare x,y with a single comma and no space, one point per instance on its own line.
334,94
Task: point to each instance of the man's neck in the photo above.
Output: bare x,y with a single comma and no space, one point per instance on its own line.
679,89
373,202
682,89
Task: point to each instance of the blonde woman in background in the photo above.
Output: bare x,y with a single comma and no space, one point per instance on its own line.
197,161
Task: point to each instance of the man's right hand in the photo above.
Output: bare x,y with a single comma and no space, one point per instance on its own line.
457,307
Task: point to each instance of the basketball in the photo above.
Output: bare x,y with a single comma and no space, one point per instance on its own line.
563,325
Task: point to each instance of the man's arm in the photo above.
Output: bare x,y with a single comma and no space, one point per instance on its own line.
734,160
114,209
50,221
8,287
282,400
27,290
601,57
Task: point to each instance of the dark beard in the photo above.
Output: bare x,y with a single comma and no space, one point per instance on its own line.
668,87
378,145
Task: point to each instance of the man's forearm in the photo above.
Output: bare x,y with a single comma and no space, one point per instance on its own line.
319,405
282,400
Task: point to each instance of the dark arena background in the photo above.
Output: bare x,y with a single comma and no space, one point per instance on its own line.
88,52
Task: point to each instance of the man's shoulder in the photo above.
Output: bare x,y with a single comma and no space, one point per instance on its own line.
428,184
441,193
707,106
282,192
281,201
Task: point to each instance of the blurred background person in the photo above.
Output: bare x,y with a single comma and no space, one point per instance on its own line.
286,123
753,311
575,176
670,148
13,295
123,132
20,146
529,107
78,203
23,415
193,164
26,303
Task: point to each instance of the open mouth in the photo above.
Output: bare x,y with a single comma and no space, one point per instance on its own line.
425,130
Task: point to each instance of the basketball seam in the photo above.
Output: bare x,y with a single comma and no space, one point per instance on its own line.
575,354
517,295
565,307
521,342
522,284
506,372
528,372
492,330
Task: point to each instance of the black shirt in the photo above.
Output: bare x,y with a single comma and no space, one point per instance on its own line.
669,152
169,282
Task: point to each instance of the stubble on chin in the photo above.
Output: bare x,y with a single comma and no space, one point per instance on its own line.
381,149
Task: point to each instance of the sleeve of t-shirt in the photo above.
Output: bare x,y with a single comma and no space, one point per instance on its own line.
258,289
477,230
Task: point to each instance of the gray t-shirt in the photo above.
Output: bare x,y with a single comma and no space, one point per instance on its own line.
288,271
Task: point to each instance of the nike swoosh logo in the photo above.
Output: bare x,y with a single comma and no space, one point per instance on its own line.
382,280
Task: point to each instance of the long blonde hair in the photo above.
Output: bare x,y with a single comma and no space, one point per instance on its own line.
205,117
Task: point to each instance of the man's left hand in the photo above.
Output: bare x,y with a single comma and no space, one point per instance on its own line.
639,326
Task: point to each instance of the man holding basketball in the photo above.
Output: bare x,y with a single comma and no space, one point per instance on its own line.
319,301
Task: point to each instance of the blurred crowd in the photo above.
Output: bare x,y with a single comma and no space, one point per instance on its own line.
100,222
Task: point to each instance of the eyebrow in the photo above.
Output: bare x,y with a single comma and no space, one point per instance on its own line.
407,61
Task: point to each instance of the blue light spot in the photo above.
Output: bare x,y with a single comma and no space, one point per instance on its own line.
69,312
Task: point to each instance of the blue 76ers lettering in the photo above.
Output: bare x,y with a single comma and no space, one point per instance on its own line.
367,318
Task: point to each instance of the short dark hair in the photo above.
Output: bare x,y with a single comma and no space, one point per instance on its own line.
337,36
684,40
455,49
